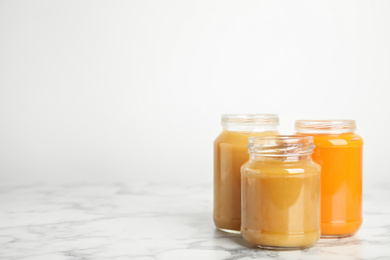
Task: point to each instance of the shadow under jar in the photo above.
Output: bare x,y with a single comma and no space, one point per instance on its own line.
230,153
280,193
339,151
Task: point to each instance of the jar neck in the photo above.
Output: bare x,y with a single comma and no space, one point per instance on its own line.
325,126
280,147
250,122
290,158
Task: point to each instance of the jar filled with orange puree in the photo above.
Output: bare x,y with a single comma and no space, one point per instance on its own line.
280,193
339,151
230,153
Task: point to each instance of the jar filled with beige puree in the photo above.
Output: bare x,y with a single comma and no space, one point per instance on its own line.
230,153
281,193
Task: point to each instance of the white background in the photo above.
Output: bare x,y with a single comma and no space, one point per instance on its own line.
123,91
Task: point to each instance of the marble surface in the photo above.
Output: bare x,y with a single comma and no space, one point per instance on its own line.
159,221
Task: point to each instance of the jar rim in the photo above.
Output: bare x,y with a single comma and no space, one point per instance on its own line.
325,126
282,137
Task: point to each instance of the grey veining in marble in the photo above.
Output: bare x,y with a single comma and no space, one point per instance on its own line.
153,221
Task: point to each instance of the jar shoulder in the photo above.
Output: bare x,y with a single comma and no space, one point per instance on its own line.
337,140
239,137
281,168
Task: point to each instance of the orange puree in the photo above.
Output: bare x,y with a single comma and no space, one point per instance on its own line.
340,157
230,153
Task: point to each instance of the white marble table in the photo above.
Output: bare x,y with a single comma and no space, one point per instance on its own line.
153,221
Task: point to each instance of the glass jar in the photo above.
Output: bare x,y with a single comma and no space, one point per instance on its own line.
339,151
230,153
280,193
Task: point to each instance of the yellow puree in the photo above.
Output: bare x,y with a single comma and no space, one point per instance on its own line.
281,206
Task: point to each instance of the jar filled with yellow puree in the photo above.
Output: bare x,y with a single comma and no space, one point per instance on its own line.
280,193
230,153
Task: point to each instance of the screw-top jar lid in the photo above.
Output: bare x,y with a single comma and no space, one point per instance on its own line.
281,145
325,126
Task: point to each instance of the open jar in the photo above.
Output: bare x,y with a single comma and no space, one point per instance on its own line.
280,187
339,151
230,153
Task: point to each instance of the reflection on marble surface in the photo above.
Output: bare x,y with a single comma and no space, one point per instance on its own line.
153,221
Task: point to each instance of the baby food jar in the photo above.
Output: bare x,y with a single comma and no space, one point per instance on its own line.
339,151
230,153
280,193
